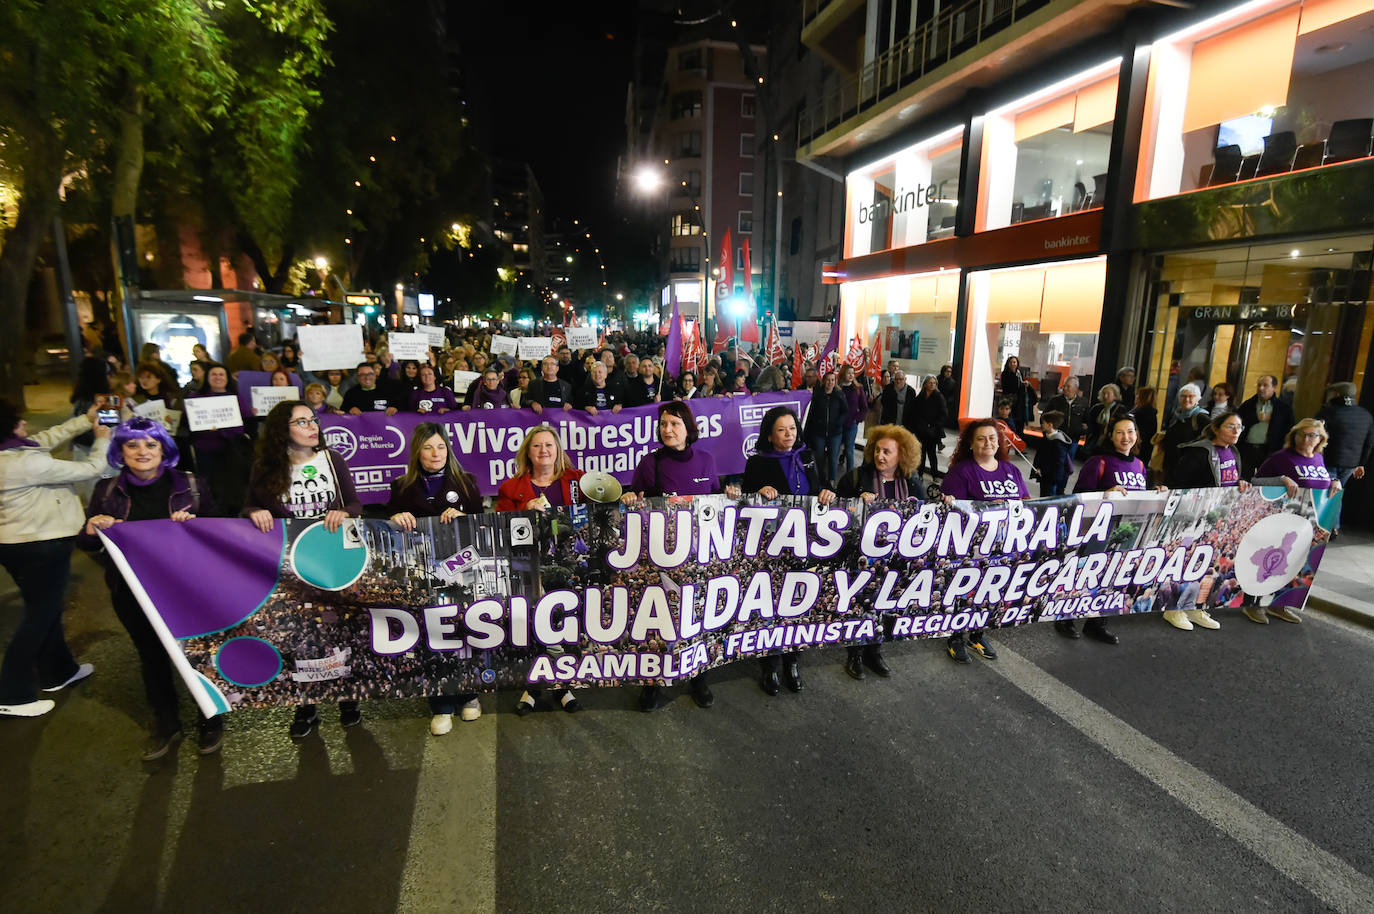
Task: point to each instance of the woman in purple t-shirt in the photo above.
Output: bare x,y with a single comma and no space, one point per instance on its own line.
1300,464
677,468
429,396
980,471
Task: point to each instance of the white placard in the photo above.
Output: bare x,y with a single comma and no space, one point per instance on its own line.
534,347
203,413
503,345
408,346
330,346
580,337
462,380
158,412
264,398
434,335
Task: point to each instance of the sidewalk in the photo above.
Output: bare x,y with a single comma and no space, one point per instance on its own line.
1344,585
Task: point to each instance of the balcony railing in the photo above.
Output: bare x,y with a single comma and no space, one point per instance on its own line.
932,44
811,9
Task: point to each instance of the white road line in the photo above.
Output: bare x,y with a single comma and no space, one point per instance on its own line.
1331,879
451,860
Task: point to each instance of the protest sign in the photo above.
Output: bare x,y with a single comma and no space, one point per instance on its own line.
157,410
462,380
433,335
327,346
533,348
608,595
264,398
484,441
246,380
204,413
504,345
580,337
408,346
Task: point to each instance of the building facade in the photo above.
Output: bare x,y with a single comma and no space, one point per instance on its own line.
517,218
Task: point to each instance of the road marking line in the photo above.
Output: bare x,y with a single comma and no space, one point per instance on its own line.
451,859
1331,879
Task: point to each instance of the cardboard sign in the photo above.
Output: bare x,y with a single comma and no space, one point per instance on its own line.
408,346
504,345
580,337
462,380
330,346
156,410
533,348
264,398
205,413
432,334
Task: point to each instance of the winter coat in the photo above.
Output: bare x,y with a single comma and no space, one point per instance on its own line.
1351,428
37,501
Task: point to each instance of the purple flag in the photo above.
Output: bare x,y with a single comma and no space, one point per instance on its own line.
672,359
832,344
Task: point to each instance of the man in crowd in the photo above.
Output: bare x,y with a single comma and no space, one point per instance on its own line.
368,396
245,357
1267,421
548,391
898,402
569,369
1074,407
643,390
1351,430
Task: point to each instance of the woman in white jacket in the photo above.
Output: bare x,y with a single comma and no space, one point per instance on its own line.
40,515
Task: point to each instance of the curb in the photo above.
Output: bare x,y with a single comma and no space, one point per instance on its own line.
1342,612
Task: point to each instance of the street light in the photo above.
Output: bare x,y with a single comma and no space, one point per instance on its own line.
321,264
647,179
619,296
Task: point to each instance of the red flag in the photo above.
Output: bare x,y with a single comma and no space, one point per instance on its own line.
601,340
1011,437
797,365
875,367
665,327
689,351
774,352
572,319
559,339
855,356
727,264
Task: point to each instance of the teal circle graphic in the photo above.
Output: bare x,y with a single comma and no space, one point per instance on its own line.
329,561
247,662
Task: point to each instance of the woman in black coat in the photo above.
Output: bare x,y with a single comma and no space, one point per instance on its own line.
434,486
930,422
782,466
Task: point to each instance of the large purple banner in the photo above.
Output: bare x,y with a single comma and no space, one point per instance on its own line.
484,441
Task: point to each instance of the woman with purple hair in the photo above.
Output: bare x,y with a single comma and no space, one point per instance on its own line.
148,487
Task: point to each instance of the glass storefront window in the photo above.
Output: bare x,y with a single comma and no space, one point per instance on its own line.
1264,89
1297,310
904,199
1047,315
1045,155
907,318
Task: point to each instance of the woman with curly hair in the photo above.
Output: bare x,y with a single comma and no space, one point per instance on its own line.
980,471
892,457
295,476
433,485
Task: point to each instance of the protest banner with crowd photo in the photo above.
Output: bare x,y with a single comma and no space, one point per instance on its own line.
604,594
485,441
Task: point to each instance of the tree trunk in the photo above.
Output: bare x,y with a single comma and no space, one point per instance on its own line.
42,181
128,168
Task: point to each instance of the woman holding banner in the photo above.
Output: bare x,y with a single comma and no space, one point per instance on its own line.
295,476
782,466
677,468
544,478
148,487
892,460
980,471
434,486
429,396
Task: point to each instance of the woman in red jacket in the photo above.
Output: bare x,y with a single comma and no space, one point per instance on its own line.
544,478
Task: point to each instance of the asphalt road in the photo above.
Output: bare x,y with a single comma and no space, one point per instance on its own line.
1178,771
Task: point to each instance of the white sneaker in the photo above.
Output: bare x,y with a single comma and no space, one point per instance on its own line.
440,724
28,709
81,673
471,710
1201,617
1178,619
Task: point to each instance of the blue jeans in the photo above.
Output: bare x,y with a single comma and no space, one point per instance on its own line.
847,448
826,449
1341,473
38,656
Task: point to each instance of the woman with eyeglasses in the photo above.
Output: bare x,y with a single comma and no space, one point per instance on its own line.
296,476
1208,462
433,485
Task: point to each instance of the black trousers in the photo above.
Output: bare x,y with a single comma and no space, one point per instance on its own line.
159,681
772,663
37,656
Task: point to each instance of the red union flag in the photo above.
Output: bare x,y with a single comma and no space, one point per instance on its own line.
559,339
727,264
774,352
856,354
797,365
690,350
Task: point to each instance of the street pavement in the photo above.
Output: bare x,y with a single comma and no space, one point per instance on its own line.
1177,771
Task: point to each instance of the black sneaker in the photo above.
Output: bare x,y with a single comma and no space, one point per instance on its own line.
979,644
304,724
211,735
161,744
957,652
854,665
350,715
701,693
526,705
873,659
1096,628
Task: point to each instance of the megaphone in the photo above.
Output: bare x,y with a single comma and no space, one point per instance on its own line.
601,487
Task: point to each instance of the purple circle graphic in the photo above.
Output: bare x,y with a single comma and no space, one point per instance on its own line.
248,661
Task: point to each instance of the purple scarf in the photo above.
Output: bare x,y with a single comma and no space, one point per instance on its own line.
12,442
792,470
899,488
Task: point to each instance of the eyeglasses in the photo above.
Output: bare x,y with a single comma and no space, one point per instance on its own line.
1310,435
304,423
1233,427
